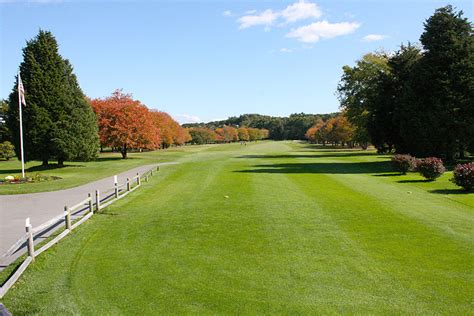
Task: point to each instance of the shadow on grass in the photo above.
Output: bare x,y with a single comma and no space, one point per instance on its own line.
394,174
451,191
321,168
415,181
38,168
322,155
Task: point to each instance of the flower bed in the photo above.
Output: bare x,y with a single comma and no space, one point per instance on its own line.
28,179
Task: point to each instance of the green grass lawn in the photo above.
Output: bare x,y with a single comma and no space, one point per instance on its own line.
77,173
303,231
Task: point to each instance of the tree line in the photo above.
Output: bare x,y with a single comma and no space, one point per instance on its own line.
293,127
226,134
418,100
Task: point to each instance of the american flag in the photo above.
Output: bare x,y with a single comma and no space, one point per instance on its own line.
21,90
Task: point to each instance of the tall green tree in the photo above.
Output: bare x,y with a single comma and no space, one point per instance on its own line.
58,121
358,92
391,98
439,116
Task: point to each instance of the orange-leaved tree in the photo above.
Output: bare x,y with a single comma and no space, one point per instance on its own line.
125,123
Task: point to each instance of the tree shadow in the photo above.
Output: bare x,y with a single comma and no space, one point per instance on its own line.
112,158
451,191
415,181
321,168
394,174
38,168
332,155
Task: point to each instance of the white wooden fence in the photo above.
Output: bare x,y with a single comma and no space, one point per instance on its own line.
86,207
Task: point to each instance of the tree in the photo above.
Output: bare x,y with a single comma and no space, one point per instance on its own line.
202,135
58,122
125,123
7,150
182,136
340,130
388,107
358,92
243,134
438,119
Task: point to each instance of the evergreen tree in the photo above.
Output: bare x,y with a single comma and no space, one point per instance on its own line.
440,117
58,121
388,109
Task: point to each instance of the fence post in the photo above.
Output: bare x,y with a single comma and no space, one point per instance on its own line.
128,184
146,178
31,245
67,215
91,209
97,200
151,172
138,178
116,190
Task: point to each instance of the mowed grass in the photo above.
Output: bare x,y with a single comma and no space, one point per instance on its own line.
303,231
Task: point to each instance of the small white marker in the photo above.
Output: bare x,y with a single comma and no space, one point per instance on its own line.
27,222
115,179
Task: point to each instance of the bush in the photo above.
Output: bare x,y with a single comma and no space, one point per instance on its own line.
430,168
463,176
7,150
403,163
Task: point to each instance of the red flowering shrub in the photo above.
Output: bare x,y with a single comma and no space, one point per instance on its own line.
430,168
463,176
403,163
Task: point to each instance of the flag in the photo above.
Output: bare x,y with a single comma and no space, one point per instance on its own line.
21,90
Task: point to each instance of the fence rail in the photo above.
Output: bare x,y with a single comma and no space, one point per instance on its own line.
87,206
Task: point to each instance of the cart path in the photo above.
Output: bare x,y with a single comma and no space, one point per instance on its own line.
41,207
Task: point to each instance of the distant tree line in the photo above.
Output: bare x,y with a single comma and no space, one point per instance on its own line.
279,128
226,134
417,100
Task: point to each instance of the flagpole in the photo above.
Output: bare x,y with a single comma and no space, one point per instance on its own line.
21,130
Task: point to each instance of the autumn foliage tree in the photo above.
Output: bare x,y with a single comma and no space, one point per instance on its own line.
336,130
125,123
243,134
202,135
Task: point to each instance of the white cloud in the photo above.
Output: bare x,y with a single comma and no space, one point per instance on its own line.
323,29
267,18
227,13
286,50
186,118
373,37
300,11
297,11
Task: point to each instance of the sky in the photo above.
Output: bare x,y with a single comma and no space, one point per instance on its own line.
208,60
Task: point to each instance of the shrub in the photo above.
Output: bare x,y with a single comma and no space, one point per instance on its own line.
7,150
430,168
403,163
463,176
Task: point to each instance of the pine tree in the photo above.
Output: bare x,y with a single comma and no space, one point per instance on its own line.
58,121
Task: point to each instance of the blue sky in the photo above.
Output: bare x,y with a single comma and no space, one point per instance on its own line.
206,60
